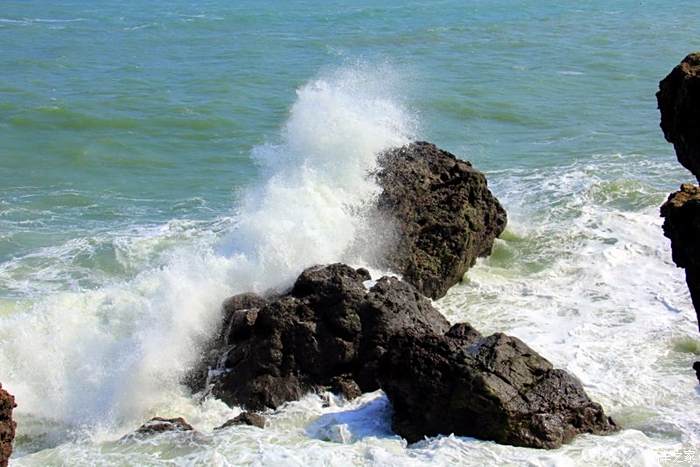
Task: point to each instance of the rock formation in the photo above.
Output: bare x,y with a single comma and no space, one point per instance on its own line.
679,103
329,331
493,388
7,426
158,425
245,418
681,213
443,212
338,329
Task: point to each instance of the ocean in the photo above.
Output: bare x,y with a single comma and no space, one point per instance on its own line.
156,158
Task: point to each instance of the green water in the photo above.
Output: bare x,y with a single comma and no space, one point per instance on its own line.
131,114
137,142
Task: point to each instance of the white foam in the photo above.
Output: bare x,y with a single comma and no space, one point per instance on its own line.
312,206
583,275
114,355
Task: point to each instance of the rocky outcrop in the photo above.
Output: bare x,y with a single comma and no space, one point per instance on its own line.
329,331
338,329
7,426
492,388
443,213
245,418
158,425
681,213
679,103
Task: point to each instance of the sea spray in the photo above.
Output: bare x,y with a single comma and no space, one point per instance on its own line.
319,191
111,356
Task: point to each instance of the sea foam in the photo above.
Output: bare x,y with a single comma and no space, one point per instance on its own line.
111,356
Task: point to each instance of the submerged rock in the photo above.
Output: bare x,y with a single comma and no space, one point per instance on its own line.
328,331
245,418
681,213
7,426
158,425
443,212
679,103
492,388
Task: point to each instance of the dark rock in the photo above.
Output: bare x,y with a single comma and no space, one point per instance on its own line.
443,212
679,103
239,314
492,388
345,386
681,213
7,426
696,367
160,425
328,330
245,418
465,332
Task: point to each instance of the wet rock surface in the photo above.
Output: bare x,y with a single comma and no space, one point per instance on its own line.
328,331
679,102
332,331
492,388
7,426
443,213
681,213
345,386
158,425
245,418
338,329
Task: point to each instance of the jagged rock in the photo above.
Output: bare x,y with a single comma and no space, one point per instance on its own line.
492,388
160,425
679,103
239,314
681,213
245,418
696,367
328,329
331,331
346,386
443,212
7,426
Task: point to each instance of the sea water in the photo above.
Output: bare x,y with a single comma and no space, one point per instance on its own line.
155,159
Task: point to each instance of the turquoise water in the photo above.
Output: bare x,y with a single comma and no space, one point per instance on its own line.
155,158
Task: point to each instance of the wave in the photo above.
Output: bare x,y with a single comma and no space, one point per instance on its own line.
584,277
114,354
